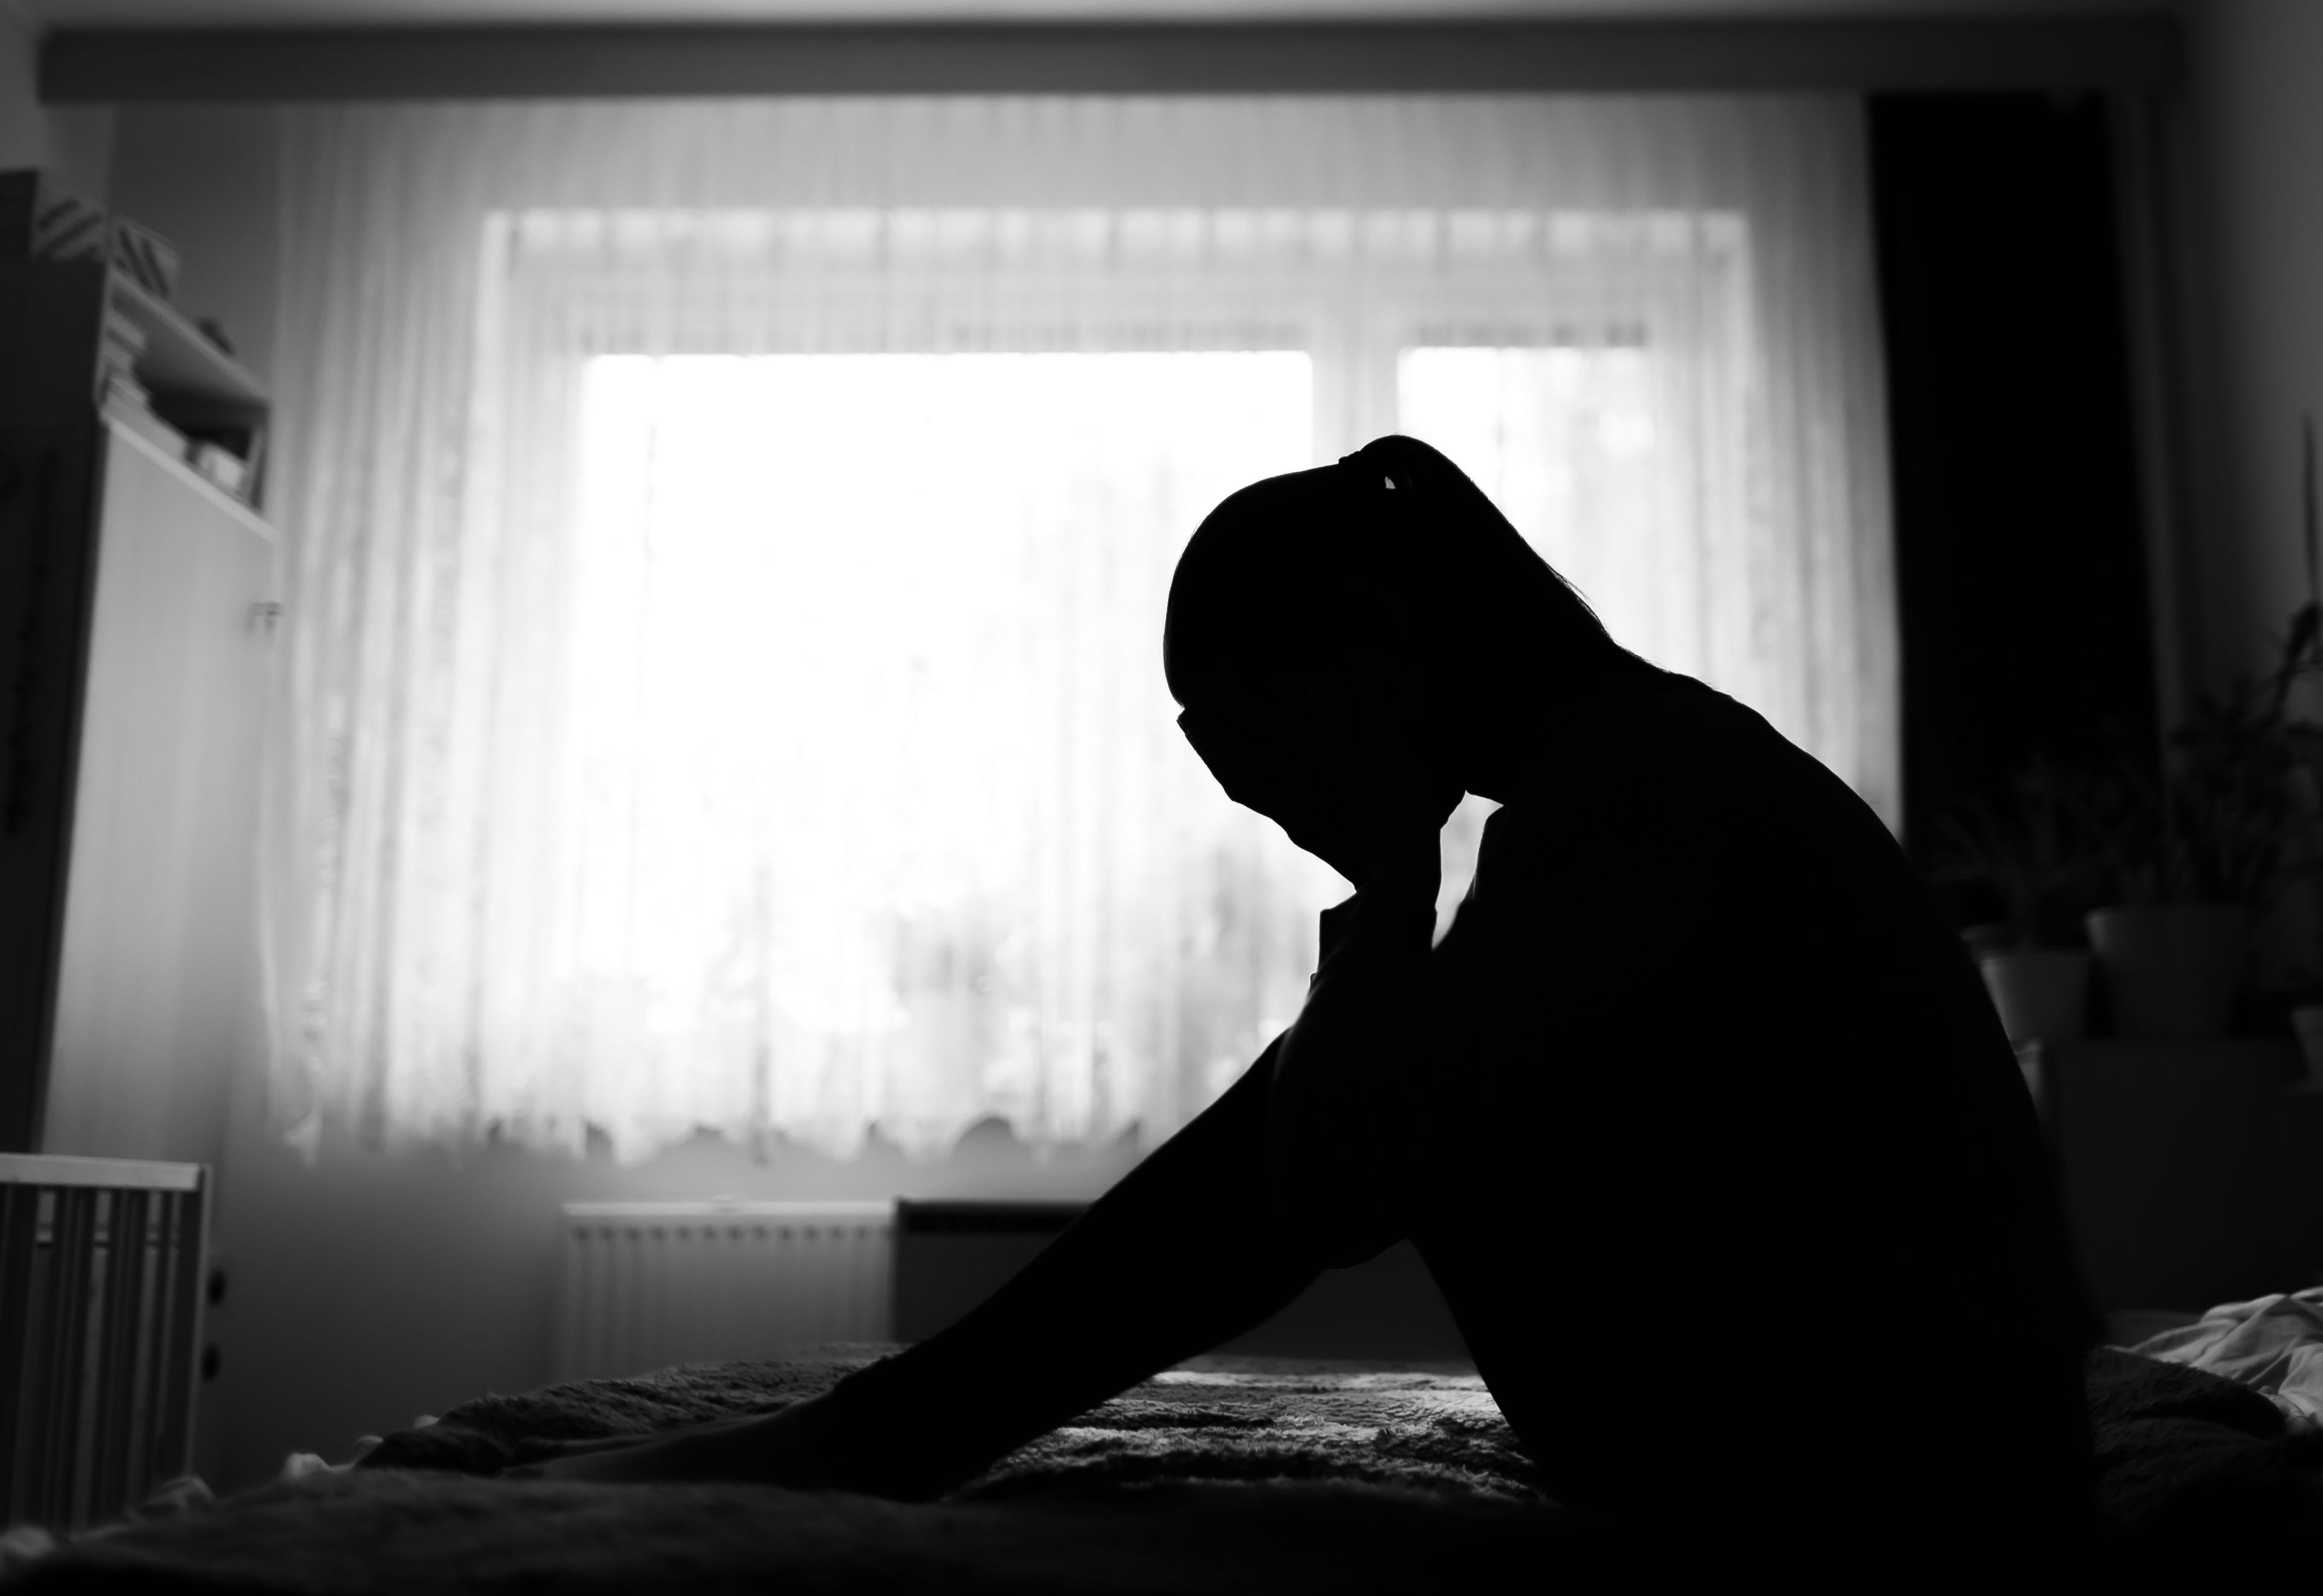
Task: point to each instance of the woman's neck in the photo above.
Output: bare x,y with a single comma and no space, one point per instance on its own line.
1501,733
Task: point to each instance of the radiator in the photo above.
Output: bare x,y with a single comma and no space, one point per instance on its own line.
650,1284
101,1264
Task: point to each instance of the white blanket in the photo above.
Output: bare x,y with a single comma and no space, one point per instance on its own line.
2273,1345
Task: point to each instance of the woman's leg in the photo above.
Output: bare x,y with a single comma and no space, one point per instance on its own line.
1705,1299
1183,1252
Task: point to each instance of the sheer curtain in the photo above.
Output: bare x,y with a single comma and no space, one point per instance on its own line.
728,544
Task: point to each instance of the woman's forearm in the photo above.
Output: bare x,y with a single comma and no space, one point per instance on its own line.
1330,1102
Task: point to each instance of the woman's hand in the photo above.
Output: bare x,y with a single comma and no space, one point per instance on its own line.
1356,784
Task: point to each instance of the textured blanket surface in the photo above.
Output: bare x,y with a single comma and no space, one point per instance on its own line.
1433,1428
2185,1455
1228,1475
1224,1475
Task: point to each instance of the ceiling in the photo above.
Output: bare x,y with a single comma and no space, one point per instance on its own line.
334,13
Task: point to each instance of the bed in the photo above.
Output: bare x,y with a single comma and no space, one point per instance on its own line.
1223,1474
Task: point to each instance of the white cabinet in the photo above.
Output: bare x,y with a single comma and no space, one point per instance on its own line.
135,616
157,983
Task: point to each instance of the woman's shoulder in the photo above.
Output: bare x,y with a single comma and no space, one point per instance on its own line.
1635,732
1651,767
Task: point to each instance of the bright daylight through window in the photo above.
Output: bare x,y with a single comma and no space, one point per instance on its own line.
881,796
872,750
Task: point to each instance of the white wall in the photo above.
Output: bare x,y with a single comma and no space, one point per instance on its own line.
75,143
2255,88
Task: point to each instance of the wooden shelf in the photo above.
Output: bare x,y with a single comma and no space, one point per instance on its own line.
179,361
123,434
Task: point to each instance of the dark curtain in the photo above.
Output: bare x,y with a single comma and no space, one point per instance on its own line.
2019,564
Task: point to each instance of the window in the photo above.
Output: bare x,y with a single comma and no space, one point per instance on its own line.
663,747
880,801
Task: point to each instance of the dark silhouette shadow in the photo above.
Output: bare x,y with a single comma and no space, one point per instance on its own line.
1699,1115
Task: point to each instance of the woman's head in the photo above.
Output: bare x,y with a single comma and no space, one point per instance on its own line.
1392,555
1337,636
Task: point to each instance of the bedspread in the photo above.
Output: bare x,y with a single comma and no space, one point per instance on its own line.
2273,1345
1226,1475
1431,1428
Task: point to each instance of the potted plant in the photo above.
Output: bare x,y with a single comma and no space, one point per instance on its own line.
2036,851
2197,853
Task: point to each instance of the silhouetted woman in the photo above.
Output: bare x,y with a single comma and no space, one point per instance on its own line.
1699,1115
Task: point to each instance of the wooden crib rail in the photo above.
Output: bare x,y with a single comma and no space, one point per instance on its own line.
101,1266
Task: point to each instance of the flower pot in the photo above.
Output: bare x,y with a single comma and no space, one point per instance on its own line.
2172,970
2039,991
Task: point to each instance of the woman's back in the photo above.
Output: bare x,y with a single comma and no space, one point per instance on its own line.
1734,1111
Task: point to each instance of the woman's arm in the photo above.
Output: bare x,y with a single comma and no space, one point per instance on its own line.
1330,1143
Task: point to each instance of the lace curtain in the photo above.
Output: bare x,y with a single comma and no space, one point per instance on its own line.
727,545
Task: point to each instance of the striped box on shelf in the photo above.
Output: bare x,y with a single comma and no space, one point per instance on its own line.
143,256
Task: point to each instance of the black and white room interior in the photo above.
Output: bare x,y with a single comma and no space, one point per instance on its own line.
538,446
